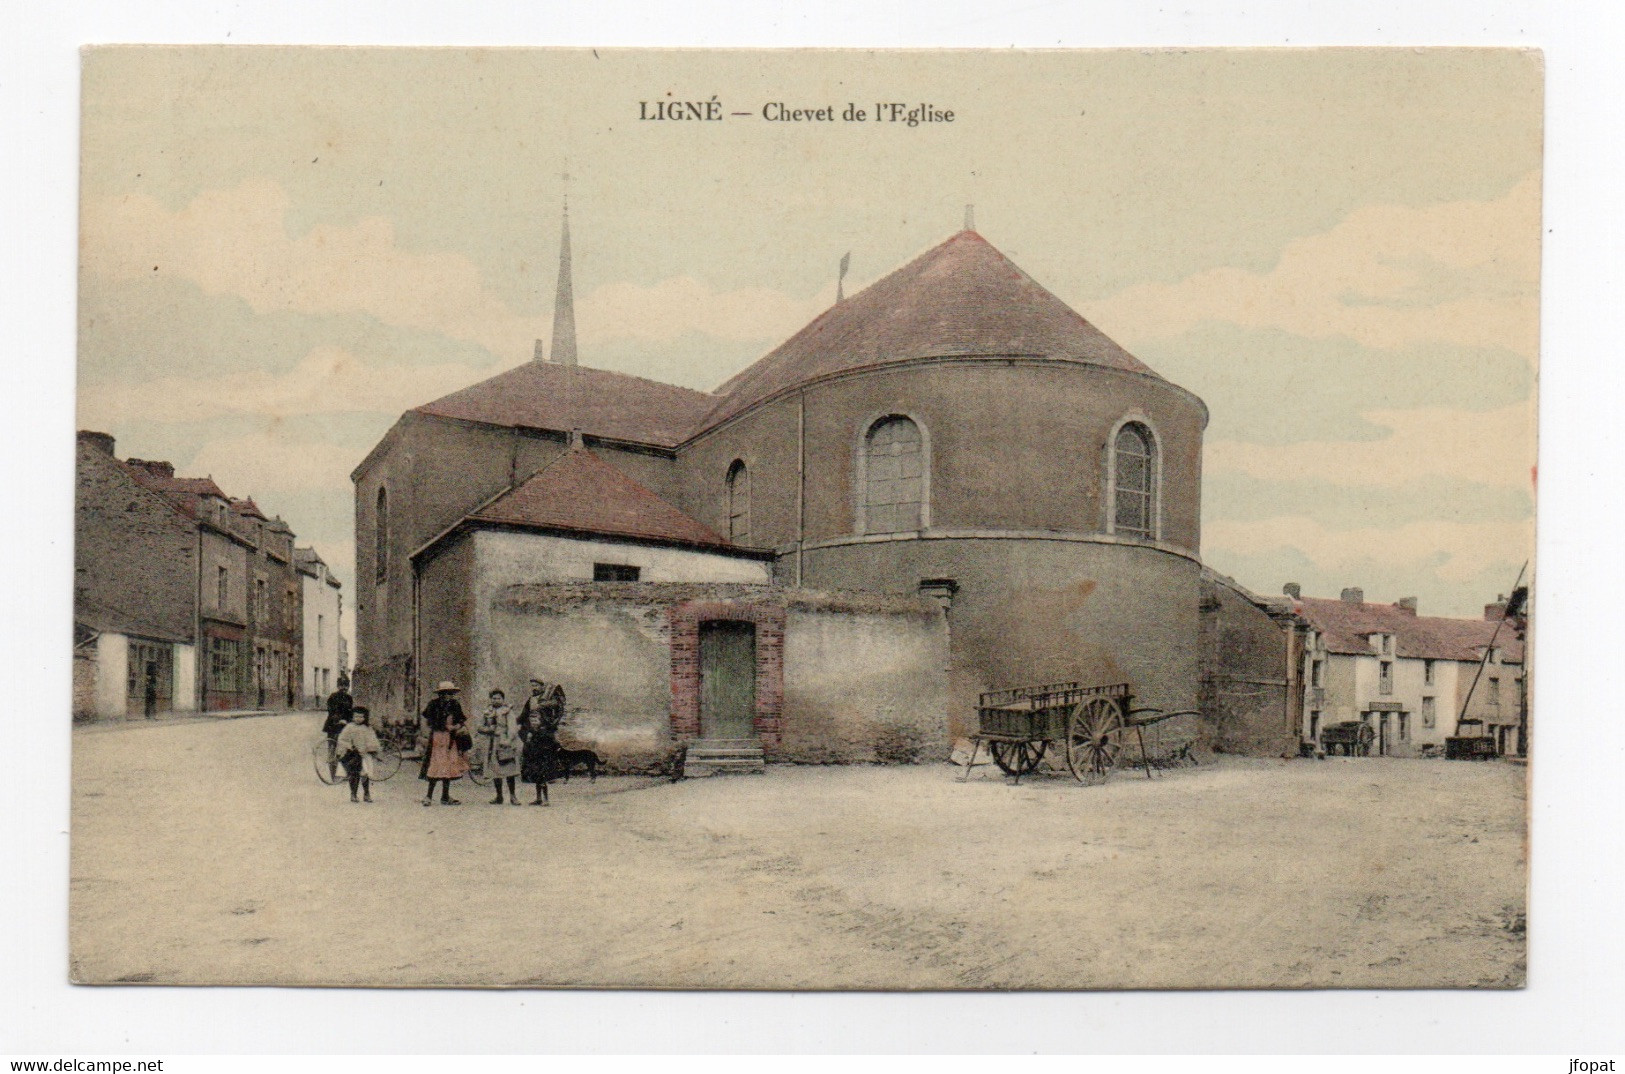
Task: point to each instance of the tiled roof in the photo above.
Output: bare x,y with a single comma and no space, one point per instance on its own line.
960,298
614,406
249,508
582,493
1345,626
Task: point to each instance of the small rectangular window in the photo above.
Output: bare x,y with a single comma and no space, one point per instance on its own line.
1495,692
1385,677
222,588
614,572
1430,715
1427,673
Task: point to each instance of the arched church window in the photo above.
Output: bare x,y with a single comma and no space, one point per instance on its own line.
738,502
380,537
1134,482
895,476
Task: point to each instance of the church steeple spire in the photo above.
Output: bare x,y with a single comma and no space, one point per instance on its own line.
564,307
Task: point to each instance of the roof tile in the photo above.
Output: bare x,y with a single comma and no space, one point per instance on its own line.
1346,626
582,493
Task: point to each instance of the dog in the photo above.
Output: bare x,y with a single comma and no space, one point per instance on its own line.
565,762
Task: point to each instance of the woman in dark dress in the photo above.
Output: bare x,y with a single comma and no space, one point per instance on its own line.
539,729
446,757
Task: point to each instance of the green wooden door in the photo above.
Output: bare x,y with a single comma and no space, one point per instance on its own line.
727,680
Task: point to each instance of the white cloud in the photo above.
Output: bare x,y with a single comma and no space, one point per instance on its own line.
1387,276
328,380
261,463
1488,447
236,242
1468,548
682,304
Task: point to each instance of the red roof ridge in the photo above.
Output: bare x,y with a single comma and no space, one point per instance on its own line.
582,493
603,403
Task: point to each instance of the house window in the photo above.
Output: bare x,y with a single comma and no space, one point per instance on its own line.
614,572
259,608
1387,644
1314,727
222,588
380,537
1404,727
1317,673
1133,474
1495,692
320,623
894,484
738,502
1427,674
1385,677
1430,713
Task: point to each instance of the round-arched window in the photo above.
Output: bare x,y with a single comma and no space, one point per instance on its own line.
380,537
894,485
1134,482
738,502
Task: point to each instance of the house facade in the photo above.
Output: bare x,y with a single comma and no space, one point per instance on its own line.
1408,677
322,606
184,598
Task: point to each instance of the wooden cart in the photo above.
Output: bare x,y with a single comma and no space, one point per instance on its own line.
1019,727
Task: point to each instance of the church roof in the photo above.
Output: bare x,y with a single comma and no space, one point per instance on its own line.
1346,626
581,493
960,298
601,403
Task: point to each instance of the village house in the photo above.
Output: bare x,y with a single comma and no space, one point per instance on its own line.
184,598
947,483
322,602
1406,676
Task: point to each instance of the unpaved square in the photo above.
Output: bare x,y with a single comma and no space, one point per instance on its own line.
208,853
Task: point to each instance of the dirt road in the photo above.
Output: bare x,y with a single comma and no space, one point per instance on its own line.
209,853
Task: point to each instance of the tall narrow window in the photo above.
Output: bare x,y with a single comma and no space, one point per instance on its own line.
380,537
738,502
1134,509
222,588
894,486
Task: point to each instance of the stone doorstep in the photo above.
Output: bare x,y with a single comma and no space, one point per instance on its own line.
719,756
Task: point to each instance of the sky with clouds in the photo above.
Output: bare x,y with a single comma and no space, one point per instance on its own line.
282,249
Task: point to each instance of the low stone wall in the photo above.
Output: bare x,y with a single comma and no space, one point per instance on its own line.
849,677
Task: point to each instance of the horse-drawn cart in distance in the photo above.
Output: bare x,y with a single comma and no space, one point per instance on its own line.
1087,723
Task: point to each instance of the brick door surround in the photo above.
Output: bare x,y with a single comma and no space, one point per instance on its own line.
684,627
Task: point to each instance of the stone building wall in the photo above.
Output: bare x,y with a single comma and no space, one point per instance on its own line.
1252,688
135,555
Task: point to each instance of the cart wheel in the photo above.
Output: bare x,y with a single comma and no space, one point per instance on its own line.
1091,742
1017,758
327,766
385,764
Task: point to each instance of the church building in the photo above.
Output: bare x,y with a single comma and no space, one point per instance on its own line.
947,483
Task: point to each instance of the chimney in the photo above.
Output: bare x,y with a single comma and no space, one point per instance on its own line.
100,441
164,470
541,352
1354,595
1293,590
1406,604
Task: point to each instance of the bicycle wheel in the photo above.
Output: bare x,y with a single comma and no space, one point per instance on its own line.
385,764
478,774
327,766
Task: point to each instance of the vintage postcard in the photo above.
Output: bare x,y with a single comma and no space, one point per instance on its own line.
805,519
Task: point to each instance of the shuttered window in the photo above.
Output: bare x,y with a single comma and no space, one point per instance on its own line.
894,476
